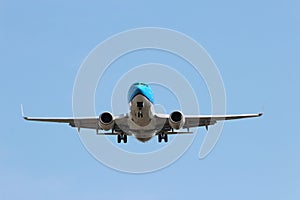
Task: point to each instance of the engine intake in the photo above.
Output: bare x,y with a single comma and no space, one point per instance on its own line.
106,121
176,120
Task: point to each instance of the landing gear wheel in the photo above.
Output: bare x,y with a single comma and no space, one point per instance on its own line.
125,138
159,138
119,139
166,138
162,136
122,137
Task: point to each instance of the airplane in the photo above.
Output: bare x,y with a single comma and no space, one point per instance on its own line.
141,121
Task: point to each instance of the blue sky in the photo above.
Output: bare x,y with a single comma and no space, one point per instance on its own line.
256,47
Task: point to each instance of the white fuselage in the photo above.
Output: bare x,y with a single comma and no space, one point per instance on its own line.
142,118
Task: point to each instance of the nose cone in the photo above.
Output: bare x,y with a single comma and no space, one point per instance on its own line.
140,88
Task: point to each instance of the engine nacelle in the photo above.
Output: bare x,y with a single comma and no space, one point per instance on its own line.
106,121
176,120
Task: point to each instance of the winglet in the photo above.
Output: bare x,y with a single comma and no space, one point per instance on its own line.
22,111
260,114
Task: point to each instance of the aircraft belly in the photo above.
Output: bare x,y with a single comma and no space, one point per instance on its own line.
141,123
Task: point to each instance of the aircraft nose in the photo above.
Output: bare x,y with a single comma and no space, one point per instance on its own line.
137,90
140,89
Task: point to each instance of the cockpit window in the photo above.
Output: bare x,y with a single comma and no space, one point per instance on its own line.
140,83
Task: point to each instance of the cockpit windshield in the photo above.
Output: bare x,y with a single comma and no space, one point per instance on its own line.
141,83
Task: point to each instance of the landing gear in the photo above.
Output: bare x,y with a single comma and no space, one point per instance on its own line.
140,114
162,136
122,137
140,105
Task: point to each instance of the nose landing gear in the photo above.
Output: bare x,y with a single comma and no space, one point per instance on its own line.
140,105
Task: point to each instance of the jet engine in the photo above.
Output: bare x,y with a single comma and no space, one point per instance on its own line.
176,120
106,121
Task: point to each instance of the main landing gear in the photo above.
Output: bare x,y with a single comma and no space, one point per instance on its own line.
162,136
121,137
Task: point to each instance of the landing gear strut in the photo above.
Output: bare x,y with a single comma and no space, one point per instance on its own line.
162,136
121,137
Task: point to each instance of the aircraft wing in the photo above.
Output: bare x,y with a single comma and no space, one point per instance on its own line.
85,122
205,120
192,121
88,122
